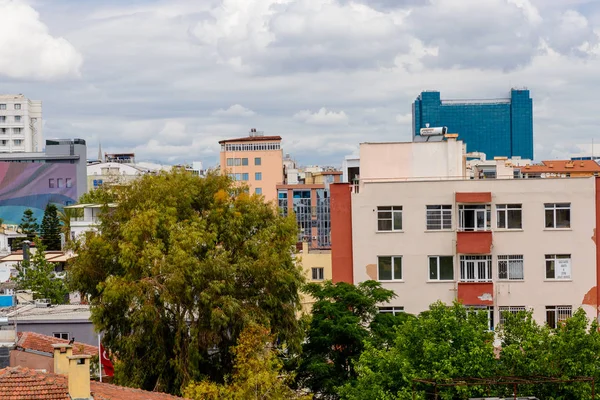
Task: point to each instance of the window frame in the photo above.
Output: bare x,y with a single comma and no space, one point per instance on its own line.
508,258
68,182
464,259
17,106
554,207
488,309
553,258
59,335
505,209
438,266
444,213
509,309
17,118
244,161
556,310
318,271
394,310
393,269
258,190
258,176
257,161
392,210
475,208
3,106
51,183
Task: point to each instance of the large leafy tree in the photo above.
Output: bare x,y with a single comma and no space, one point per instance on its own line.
50,229
37,275
257,373
341,316
182,265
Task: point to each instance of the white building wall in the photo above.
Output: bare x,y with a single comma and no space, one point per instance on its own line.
415,293
24,135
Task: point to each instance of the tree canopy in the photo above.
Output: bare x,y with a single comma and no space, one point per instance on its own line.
182,265
28,226
50,228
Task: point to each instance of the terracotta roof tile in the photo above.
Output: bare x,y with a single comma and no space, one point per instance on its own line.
39,342
20,383
563,166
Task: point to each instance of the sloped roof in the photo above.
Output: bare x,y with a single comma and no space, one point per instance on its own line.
43,343
18,383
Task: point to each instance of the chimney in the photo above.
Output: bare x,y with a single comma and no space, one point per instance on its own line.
61,353
79,377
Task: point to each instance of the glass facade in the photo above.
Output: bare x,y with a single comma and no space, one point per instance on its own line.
496,127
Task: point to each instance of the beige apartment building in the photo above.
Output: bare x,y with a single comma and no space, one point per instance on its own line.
255,160
500,245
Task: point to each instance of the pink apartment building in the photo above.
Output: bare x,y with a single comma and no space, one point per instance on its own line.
255,160
496,244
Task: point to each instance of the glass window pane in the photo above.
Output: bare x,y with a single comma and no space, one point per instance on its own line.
446,268
551,318
385,268
384,214
433,264
563,218
514,219
501,219
549,218
550,274
397,220
384,225
397,267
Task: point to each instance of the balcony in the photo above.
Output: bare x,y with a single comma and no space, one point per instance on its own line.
476,293
474,242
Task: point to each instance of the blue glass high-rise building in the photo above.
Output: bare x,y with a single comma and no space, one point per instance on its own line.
496,127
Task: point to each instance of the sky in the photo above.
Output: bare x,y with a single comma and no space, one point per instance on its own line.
169,79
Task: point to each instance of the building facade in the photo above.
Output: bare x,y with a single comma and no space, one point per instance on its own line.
255,160
496,127
20,124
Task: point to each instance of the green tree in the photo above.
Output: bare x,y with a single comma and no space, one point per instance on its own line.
441,343
64,216
257,373
180,267
341,316
29,227
100,195
38,275
50,229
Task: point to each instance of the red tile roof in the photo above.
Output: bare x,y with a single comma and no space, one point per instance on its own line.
251,139
563,166
39,342
27,384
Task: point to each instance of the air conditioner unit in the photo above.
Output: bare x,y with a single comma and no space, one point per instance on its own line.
43,303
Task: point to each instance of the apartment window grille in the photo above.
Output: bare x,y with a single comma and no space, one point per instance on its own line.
395,310
476,268
558,266
441,268
488,310
439,217
474,217
510,309
509,216
558,215
510,267
251,147
318,274
389,268
557,314
389,218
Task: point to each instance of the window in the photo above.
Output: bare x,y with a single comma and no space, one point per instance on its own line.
439,217
509,216
3,130
258,190
475,268
97,182
17,106
510,267
558,215
257,161
489,310
17,118
230,162
69,182
558,266
17,131
441,268
18,142
557,314
2,118
4,142
511,309
51,183
61,335
59,182
318,274
389,218
244,161
391,310
245,176
389,268
2,106
474,217
258,176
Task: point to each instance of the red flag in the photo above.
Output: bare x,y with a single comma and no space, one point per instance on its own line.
107,365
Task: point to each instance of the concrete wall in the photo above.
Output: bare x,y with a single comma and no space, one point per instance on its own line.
429,160
82,331
415,292
310,259
20,358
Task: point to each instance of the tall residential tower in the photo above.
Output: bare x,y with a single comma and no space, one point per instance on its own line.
20,124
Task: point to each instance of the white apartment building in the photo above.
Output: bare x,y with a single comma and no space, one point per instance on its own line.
500,245
20,124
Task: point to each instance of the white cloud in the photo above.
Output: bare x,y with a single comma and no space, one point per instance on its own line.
235,110
322,117
28,50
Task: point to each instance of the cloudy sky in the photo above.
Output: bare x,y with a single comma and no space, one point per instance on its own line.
168,79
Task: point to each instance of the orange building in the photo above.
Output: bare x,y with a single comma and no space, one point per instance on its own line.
561,169
255,160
